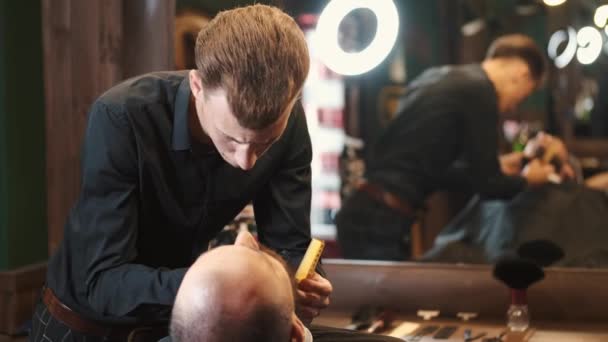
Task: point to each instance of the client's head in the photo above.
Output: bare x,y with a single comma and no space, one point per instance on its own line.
240,292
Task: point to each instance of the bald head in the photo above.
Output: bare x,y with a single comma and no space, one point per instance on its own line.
234,293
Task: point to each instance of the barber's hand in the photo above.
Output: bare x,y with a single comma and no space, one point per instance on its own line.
548,143
537,173
312,296
511,163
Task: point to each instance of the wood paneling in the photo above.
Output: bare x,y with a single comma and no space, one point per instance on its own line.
23,238
19,292
76,70
589,148
85,46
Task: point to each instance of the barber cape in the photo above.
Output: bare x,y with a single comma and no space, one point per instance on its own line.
570,215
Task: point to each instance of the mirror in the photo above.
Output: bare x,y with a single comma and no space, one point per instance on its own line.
347,115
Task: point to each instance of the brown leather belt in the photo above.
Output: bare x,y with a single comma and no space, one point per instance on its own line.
390,200
80,324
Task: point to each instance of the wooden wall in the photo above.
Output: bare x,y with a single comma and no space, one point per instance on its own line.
88,47
23,237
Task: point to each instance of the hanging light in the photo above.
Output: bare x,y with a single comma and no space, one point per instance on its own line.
473,23
553,2
589,44
355,63
557,39
601,16
473,27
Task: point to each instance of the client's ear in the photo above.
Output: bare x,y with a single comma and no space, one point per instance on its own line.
297,329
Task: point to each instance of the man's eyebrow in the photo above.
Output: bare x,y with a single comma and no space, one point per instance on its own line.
228,136
266,142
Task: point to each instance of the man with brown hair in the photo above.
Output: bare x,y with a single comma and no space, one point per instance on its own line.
445,135
168,159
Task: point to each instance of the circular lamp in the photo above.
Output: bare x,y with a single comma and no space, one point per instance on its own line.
553,2
355,63
558,38
589,45
601,16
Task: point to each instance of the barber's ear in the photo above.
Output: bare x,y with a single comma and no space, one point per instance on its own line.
297,329
196,84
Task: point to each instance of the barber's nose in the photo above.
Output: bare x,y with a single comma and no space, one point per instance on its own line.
246,158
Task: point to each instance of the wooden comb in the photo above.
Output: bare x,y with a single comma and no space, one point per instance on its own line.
311,259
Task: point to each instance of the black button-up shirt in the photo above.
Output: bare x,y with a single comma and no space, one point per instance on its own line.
152,198
445,135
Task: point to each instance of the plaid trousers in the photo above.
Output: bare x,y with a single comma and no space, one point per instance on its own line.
45,328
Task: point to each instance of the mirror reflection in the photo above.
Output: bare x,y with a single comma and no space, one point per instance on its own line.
482,132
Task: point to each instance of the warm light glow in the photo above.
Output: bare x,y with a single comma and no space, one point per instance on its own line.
473,27
589,45
601,16
553,2
558,38
348,63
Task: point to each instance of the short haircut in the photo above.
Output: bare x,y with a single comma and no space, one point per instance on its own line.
264,323
522,47
259,56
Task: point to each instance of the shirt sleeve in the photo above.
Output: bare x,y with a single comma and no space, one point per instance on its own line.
282,207
106,218
481,153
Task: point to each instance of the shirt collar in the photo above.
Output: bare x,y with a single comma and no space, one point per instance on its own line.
181,134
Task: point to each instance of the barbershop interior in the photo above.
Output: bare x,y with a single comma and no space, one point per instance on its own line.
318,170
